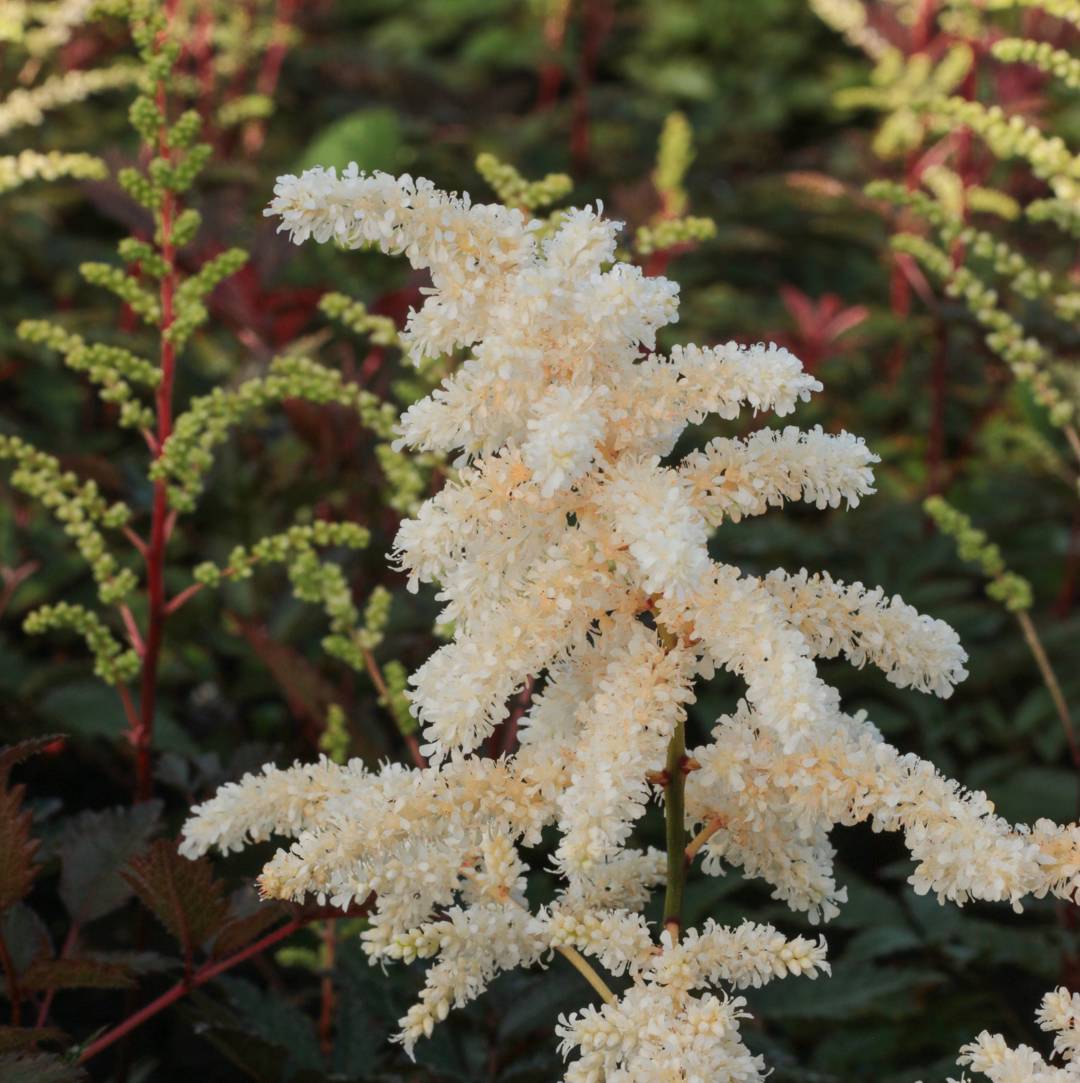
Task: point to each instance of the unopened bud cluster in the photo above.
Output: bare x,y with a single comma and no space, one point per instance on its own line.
1012,590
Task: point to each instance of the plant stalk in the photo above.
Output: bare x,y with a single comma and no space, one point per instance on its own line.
160,524
575,959
1074,439
1046,671
185,985
714,824
327,997
14,994
674,816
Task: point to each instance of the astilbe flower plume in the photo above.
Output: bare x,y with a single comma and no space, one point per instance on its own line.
572,550
990,1055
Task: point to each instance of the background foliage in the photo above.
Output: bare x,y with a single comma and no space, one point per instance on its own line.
801,255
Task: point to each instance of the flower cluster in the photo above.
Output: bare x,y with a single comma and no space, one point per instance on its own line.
571,551
1059,1014
22,108
78,506
921,100
1040,54
1004,586
28,165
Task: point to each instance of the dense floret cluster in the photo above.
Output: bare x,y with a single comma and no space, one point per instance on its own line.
572,551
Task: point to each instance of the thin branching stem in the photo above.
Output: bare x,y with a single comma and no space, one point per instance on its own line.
377,679
577,961
161,517
1046,670
573,957
1074,440
185,985
65,950
14,994
714,824
327,996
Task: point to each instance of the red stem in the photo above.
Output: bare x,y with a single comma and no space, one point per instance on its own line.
596,24
132,630
161,518
268,76
13,578
205,973
1064,603
182,598
12,983
267,79
65,951
524,701
551,69
384,693
140,545
939,387
203,53
327,997
924,25
130,713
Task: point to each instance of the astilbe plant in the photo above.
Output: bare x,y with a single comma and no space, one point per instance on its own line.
572,550
165,286
955,224
1059,1014
951,82
172,301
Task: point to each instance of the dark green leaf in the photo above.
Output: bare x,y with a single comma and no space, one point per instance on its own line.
274,1019
366,1011
370,137
853,991
1034,792
260,1060
92,709
874,943
26,936
93,848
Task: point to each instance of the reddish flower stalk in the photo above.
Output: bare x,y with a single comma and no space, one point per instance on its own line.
12,578
65,950
551,68
328,1001
657,263
142,731
939,391
922,31
202,51
14,994
267,79
597,20
377,679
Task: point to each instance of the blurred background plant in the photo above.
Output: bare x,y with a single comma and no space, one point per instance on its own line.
736,140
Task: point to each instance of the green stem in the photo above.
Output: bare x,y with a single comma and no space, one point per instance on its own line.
579,963
675,816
